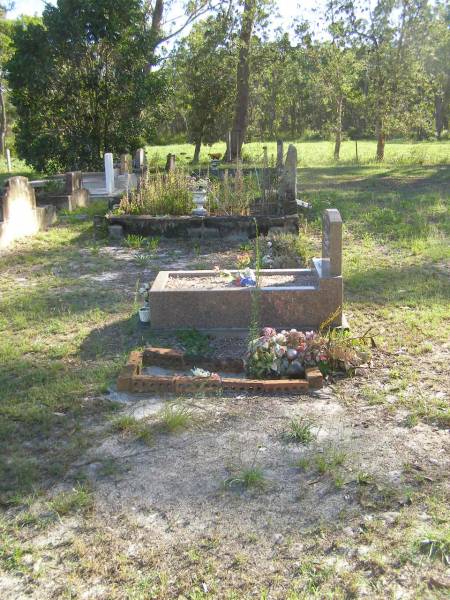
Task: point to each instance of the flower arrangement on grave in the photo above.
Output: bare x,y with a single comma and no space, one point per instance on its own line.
244,277
289,353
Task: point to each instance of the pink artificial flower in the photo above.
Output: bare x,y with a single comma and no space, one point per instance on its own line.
268,332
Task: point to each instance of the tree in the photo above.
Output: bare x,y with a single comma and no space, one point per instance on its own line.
205,99
80,82
437,65
391,32
5,52
252,12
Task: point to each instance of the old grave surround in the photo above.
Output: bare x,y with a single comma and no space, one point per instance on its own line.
316,295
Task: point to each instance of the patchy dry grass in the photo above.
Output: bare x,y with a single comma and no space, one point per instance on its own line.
357,508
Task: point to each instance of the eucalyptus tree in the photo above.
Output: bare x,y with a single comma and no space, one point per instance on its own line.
252,13
437,64
203,70
390,32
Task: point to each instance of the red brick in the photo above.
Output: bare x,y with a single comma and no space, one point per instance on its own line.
185,384
314,378
154,384
163,356
286,385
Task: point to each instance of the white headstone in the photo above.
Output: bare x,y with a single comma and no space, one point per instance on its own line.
8,160
109,173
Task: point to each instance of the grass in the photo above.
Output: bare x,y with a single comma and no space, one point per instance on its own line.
300,431
175,417
314,154
129,426
329,460
64,337
247,478
78,500
134,241
436,545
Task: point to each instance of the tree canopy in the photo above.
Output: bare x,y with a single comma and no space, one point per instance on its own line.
81,82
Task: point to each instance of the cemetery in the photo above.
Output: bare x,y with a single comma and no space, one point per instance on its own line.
210,422
224,301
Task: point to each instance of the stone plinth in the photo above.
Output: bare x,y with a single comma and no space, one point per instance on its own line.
222,227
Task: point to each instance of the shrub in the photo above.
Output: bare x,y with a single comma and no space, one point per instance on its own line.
232,195
160,194
288,251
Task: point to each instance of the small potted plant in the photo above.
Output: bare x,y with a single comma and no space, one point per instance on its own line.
144,311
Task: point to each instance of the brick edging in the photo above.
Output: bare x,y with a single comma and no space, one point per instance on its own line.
131,378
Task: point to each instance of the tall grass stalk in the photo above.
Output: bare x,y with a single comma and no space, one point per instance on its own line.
160,194
255,319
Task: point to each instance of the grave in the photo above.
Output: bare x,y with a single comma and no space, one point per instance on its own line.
72,195
19,215
287,298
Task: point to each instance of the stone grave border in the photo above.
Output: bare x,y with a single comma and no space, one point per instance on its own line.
132,379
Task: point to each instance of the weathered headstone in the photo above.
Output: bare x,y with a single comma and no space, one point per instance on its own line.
73,181
266,173
170,162
139,159
125,164
20,216
288,184
332,241
280,156
109,173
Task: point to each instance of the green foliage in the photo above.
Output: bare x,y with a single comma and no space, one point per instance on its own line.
132,427
80,82
205,101
194,342
175,417
300,431
233,195
290,251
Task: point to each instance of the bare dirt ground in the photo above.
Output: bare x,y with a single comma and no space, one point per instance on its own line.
227,506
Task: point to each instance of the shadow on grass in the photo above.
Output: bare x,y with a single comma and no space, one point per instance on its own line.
400,179
120,337
417,285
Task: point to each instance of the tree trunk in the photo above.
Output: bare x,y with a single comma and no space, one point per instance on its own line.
381,140
240,118
438,114
198,146
3,122
155,28
337,143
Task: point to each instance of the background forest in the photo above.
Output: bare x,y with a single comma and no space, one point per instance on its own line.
90,76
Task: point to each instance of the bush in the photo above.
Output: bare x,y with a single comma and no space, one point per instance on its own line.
288,251
232,195
160,194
